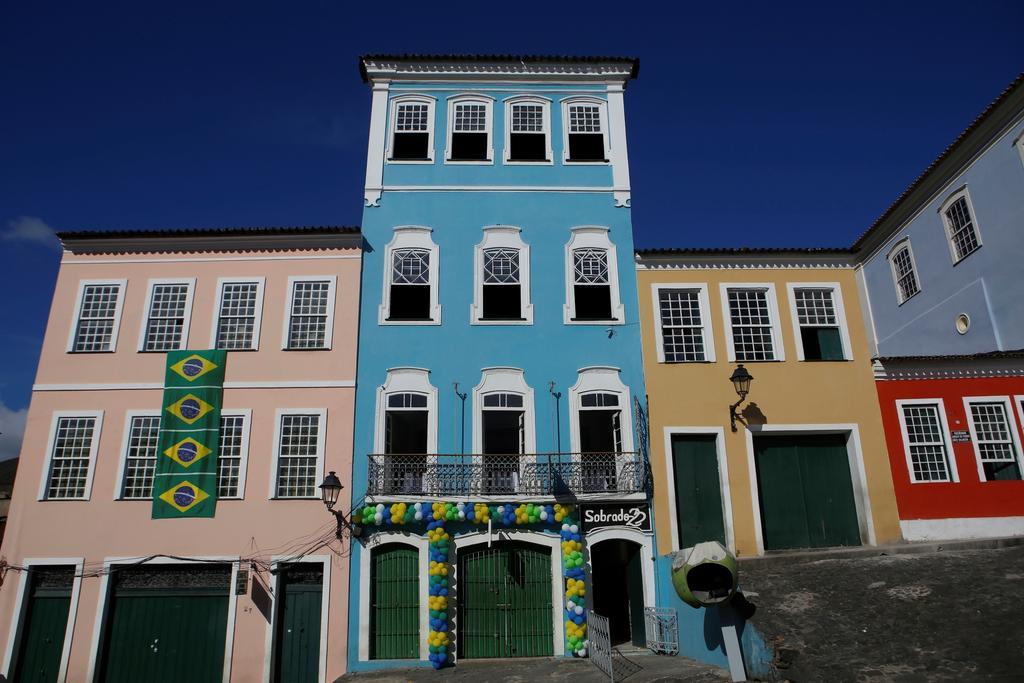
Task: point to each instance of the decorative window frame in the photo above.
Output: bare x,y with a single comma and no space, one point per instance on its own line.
890,257
407,380
321,442
261,282
190,282
1011,423
954,474
118,309
528,99
97,429
948,228
469,98
412,237
596,237
504,380
431,103
837,303
708,332
778,343
123,460
332,288
243,464
603,112
605,379
501,237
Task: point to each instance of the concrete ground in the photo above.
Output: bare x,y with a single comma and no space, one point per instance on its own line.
926,613
629,667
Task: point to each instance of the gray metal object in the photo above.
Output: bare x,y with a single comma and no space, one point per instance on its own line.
600,644
662,630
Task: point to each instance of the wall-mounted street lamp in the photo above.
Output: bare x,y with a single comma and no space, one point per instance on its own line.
741,383
329,492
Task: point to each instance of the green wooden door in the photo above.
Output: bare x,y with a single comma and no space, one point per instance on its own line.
297,644
505,602
806,491
167,625
394,602
44,625
698,489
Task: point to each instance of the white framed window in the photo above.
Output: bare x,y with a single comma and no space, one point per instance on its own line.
501,268
97,318
299,437
995,437
958,217
904,272
819,321
168,312
411,135
503,428
238,314
470,126
233,456
411,262
71,455
139,450
405,432
309,320
592,279
528,130
683,317
601,433
752,330
1019,144
585,125
926,440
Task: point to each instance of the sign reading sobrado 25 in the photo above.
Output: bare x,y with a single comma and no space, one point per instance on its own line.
630,516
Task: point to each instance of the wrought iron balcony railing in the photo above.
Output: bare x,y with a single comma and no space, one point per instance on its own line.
483,476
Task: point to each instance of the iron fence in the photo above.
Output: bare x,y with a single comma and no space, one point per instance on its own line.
662,630
500,475
599,645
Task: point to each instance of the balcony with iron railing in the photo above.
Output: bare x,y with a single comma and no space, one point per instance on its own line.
502,477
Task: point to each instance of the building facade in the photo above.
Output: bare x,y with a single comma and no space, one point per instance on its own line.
95,589
940,273
500,380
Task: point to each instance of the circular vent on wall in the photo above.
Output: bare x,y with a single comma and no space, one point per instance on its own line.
963,323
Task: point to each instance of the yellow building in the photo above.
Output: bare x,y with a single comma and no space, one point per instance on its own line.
805,463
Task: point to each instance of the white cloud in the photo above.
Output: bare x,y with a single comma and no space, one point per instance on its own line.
30,229
12,428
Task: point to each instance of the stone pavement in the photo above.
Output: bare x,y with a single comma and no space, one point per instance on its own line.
629,668
949,614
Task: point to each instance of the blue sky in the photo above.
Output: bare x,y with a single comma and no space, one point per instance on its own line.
761,124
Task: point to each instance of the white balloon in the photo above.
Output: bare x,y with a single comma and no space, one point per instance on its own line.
462,515
501,509
544,515
378,518
565,527
583,652
578,609
380,507
418,507
574,529
570,604
418,516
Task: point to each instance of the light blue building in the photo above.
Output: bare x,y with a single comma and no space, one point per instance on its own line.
499,363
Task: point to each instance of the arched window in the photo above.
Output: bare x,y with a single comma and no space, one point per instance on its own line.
405,440
502,279
503,430
961,225
410,279
904,273
601,433
412,129
527,130
470,123
592,279
585,125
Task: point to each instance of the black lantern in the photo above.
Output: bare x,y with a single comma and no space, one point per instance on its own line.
741,383
330,489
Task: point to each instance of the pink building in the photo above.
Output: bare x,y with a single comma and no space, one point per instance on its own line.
259,592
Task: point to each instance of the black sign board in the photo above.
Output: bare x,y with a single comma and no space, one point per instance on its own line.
626,515
961,436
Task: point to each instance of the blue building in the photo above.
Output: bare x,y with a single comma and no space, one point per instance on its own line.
499,434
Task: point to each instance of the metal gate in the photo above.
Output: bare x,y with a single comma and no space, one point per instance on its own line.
662,630
599,636
394,602
505,605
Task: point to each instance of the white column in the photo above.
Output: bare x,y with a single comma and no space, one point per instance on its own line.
375,150
619,153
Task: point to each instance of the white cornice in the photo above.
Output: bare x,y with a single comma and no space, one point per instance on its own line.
454,70
944,368
741,263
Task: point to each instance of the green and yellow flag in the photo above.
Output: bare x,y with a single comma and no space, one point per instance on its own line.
185,480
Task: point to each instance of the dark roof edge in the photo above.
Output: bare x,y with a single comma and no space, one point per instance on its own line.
526,59
986,355
744,251
965,144
206,232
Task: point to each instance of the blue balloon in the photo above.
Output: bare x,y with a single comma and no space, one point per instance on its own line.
444,591
578,618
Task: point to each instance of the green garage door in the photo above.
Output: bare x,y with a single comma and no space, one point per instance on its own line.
44,624
806,491
505,602
166,624
395,602
300,590
698,489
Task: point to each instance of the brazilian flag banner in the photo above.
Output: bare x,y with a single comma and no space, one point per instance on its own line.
185,479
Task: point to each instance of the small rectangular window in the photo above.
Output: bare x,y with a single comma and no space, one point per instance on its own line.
501,286
310,307
994,444
70,458
140,458
591,286
229,457
528,136
410,285
682,328
298,451
469,132
929,454
963,235
903,271
412,135
586,134
751,323
820,334
97,318
236,322
165,325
